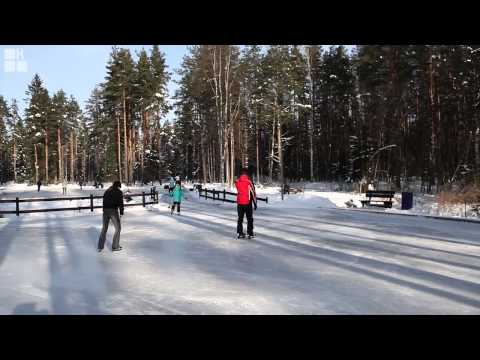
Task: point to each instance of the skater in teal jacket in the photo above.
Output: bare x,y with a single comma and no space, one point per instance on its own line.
177,196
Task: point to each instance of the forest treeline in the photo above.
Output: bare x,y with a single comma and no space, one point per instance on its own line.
367,114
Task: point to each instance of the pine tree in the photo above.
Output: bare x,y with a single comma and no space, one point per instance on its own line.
59,115
119,89
4,160
16,144
39,123
19,141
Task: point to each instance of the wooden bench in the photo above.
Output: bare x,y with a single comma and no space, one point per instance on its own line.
375,195
287,190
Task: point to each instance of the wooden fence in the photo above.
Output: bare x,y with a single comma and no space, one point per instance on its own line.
221,195
153,197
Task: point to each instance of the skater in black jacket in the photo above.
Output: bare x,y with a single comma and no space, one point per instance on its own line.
112,202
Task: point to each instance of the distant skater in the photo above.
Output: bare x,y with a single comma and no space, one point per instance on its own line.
246,197
171,185
177,195
81,184
39,183
64,187
112,202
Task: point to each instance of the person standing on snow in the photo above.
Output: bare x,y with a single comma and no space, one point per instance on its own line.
171,185
177,195
64,186
112,202
246,197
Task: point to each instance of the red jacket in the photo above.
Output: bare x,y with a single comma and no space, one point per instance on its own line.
245,190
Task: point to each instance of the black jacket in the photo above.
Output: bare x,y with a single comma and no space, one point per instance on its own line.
113,199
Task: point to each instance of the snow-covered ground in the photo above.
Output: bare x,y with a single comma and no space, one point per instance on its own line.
328,195
310,257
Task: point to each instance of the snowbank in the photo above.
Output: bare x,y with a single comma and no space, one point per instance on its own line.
315,195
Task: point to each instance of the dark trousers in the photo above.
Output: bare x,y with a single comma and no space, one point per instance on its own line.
178,207
38,187
110,214
242,211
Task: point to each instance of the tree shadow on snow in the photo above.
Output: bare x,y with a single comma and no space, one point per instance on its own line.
9,233
358,242
360,265
64,278
285,226
28,309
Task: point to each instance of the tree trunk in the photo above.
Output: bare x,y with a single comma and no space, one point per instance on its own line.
211,169
36,163
227,158
144,143
84,164
257,148
280,150
125,139
272,153
15,158
72,176
133,154
232,157
75,161
64,162
159,146
203,154
46,156
433,135
477,156
59,150
217,77
227,116
311,117
119,147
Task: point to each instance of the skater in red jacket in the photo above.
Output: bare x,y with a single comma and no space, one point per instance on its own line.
246,197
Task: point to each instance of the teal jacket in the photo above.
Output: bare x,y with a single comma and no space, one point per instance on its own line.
177,193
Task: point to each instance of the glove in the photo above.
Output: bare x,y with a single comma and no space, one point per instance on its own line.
255,206
121,212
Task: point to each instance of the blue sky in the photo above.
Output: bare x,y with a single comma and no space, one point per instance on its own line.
74,68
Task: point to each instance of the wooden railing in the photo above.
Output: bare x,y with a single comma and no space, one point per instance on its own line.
153,197
221,195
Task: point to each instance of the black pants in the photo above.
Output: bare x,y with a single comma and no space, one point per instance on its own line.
110,214
178,207
242,211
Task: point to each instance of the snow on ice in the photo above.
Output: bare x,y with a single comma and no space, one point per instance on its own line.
311,256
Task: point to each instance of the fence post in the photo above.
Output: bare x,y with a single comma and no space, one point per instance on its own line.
224,195
91,202
266,199
17,203
143,198
213,192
